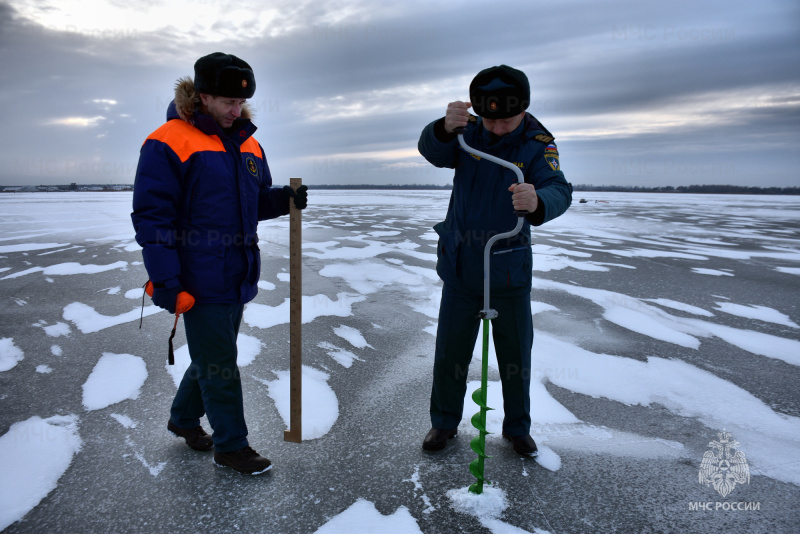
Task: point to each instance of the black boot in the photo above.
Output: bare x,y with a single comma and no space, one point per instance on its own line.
244,460
523,445
436,439
196,437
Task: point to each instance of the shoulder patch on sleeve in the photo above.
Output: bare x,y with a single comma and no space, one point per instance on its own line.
544,138
551,156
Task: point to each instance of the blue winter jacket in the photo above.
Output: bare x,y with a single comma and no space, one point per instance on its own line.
480,204
198,196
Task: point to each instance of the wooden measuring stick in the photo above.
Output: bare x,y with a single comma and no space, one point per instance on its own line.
295,432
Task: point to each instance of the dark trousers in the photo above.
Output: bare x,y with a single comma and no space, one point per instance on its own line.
211,384
512,332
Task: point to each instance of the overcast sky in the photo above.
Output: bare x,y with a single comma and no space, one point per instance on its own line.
636,93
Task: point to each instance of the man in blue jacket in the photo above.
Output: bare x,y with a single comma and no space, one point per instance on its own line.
483,203
201,187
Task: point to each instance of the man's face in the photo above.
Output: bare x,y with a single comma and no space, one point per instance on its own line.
224,110
503,126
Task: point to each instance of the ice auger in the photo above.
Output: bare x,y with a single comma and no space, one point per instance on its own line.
478,443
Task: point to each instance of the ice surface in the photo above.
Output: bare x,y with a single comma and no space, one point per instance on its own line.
124,420
686,390
669,354
635,315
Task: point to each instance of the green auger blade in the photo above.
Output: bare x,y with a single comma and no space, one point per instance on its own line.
476,468
479,448
477,423
476,488
476,397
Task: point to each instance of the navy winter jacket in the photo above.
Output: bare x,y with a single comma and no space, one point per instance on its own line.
198,196
480,204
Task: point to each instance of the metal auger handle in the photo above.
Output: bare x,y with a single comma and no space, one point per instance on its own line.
486,312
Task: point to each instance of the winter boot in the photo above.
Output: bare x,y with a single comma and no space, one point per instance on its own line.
244,460
196,437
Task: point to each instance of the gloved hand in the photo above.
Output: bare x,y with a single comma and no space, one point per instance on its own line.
300,196
166,297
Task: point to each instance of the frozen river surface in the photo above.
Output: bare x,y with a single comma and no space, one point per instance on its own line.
666,330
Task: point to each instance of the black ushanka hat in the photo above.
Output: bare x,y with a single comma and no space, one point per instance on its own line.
225,75
500,92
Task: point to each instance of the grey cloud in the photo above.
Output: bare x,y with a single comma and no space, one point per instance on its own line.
584,59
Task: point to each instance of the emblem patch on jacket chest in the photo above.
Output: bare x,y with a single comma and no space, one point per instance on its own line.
251,166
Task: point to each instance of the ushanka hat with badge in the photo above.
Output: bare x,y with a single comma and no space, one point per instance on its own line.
225,75
500,92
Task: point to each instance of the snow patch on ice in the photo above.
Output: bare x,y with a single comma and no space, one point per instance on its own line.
266,286
418,488
369,277
135,293
29,247
362,516
681,306
115,378
344,357
70,268
263,316
124,420
88,320
33,455
761,313
58,329
10,354
248,347
487,508
316,392
352,336
712,272
548,458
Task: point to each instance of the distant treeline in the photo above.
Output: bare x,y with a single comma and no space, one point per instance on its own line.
716,189
379,186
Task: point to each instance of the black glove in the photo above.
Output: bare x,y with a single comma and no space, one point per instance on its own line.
300,196
166,297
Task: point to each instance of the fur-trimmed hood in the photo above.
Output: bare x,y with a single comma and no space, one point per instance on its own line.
187,102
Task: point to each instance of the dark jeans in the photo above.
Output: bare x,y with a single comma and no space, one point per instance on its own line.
512,332
211,384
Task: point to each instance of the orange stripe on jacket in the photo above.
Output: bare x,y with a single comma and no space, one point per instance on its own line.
252,146
184,139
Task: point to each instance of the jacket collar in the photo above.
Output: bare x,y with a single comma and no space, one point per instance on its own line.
529,128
